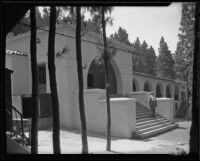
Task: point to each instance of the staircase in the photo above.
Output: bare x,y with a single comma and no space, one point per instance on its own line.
148,126
17,141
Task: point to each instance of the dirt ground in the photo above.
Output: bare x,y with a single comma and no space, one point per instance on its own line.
167,143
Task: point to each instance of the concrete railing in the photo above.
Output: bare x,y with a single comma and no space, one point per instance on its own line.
165,108
141,97
123,113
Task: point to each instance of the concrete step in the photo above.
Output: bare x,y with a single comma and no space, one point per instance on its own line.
154,127
154,132
150,123
143,116
148,118
143,112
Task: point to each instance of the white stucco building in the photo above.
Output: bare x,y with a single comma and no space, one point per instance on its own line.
124,82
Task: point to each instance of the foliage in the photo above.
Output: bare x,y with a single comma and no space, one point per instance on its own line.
41,21
145,58
136,57
121,36
150,61
165,63
185,46
94,25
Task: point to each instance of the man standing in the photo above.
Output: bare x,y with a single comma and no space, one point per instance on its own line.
152,103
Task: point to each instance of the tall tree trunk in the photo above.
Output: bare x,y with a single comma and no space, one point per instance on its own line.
34,125
106,62
196,88
53,85
80,80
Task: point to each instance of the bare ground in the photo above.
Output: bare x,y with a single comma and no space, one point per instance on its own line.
167,143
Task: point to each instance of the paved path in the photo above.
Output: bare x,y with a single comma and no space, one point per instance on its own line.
161,144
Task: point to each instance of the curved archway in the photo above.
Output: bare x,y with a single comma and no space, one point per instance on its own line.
176,93
168,91
96,76
135,85
148,86
159,90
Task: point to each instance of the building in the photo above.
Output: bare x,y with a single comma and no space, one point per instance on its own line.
127,87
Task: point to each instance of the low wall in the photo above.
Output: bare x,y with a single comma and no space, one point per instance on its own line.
165,108
123,113
141,96
44,123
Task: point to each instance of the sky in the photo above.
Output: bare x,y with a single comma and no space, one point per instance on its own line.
149,24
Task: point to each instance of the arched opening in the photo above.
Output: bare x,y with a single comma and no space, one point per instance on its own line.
168,91
176,93
158,90
96,77
147,86
135,86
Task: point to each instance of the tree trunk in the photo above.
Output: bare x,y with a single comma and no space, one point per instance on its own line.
53,85
34,125
193,145
80,80
106,62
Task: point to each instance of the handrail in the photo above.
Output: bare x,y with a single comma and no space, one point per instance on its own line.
8,103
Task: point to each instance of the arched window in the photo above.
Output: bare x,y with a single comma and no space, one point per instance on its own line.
147,86
135,85
168,91
158,91
176,93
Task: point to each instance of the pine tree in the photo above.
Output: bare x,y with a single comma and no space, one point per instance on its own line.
135,57
121,36
165,63
185,46
150,61
143,58
94,25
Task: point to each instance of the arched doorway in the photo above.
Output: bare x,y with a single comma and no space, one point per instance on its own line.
168,91
147,86
135,86
96,77
158,90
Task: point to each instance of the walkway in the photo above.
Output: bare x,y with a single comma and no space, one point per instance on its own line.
162,144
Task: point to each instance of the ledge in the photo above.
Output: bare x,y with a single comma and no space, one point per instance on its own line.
92,90
164,99
122,99
139,92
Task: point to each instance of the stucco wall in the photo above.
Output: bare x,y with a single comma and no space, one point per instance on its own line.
165,107
122,114
20,77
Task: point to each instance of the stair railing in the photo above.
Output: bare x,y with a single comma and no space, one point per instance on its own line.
21,119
